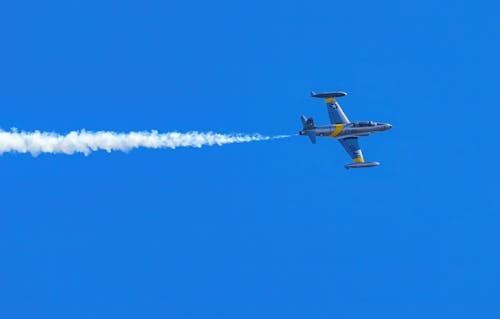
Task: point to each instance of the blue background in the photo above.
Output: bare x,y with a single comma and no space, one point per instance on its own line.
275,229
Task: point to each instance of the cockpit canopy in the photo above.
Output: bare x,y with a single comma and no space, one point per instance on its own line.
364,124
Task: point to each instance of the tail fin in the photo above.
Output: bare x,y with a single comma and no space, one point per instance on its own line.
309,127
308,123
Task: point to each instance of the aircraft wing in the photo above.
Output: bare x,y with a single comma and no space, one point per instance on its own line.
335,112
351,146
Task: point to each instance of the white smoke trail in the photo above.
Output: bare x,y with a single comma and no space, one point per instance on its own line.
87,142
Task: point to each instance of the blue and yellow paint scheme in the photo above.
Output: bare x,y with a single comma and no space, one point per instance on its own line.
345,131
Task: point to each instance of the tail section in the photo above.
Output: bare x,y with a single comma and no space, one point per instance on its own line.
308,128
308,123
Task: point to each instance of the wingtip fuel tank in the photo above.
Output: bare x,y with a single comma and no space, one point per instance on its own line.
325,95
362,165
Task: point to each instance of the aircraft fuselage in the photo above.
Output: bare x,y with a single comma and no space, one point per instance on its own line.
353,129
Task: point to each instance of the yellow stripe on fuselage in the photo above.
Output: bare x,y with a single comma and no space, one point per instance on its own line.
359,160
338,129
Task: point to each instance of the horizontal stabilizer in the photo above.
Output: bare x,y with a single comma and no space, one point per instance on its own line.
312,136
326,95
303,118
362,165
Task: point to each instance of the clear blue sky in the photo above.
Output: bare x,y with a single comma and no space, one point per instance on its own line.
274,229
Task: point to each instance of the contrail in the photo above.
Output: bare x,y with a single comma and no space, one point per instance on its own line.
86,142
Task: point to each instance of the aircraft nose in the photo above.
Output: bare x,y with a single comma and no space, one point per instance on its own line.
389,126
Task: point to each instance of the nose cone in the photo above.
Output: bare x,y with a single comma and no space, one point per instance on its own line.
383,127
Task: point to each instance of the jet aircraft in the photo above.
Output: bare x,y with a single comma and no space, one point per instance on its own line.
345,131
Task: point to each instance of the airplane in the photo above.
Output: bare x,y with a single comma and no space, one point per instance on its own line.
345,131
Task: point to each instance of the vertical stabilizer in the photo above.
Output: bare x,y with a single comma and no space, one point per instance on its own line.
308,123
308,128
